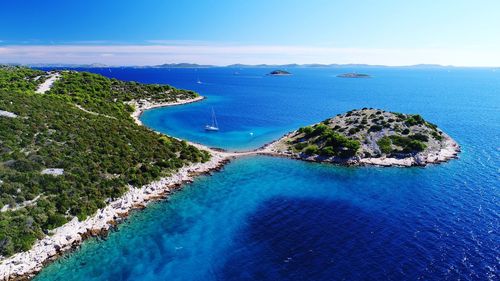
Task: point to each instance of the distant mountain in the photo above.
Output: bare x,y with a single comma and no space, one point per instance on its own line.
64,65
264,65
429,66
238,65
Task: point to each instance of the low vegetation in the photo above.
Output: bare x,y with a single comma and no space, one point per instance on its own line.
366,133
324,141
110,96
100,156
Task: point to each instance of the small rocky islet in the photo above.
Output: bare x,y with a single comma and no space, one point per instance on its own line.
353,75
370,137
279,72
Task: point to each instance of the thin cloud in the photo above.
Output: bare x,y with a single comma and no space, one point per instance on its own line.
223,54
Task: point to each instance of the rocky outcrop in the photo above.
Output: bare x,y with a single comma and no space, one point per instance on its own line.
8,114
369,137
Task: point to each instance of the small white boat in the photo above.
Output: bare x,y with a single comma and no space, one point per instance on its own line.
198,81
212,127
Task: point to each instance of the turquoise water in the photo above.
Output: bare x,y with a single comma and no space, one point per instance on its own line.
264,218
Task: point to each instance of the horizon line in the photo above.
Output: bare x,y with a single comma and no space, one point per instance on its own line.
219,54
199,65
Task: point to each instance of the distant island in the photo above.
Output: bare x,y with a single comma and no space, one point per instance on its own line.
370,137
353,75
279,73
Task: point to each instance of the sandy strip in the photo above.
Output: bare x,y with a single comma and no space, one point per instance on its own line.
143,105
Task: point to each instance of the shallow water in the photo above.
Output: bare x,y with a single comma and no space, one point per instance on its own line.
265,218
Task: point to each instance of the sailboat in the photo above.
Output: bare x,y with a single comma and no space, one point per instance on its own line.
198,81
213,126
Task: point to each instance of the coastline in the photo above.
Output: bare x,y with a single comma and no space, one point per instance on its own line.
25,265
143,105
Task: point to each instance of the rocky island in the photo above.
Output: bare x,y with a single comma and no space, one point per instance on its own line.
369,137
353,75
279,73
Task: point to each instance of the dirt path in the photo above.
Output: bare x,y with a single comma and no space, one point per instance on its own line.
47,84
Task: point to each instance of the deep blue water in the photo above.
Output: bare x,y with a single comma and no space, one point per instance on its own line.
264,218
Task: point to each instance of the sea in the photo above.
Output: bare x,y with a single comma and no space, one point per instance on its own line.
265,218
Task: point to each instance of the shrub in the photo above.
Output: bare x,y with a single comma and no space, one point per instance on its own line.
430,125
306,130
437,136
300,145
414,120
311,150
375,128
384,144
419,137
407,144
415,145
319,129
350,148
327,151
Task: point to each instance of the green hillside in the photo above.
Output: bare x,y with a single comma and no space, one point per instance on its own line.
100,154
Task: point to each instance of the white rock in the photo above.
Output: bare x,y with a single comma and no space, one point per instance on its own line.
4,113
53,171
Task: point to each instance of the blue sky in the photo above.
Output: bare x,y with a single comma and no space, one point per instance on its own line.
391,32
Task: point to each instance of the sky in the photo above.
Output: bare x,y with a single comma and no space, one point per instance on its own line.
221,32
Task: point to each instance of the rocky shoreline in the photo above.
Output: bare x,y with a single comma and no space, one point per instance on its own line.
25,265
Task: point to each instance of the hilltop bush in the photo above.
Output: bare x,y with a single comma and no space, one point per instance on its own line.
415,119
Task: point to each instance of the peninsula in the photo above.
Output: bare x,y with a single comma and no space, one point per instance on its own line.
369,137
73,162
